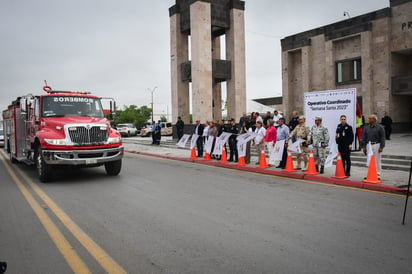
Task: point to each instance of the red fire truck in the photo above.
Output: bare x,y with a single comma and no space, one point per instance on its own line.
61,128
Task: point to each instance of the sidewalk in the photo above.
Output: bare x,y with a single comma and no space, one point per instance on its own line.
392,180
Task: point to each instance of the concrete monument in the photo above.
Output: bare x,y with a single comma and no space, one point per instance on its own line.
204,22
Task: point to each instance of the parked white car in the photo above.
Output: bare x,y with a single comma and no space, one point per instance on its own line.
127,129
167,129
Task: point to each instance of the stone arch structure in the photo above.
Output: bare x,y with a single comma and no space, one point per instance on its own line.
204,22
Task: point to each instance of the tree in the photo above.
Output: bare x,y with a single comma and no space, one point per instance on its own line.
133,114
163,118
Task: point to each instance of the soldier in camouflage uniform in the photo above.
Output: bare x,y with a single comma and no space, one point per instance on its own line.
319,138
301,131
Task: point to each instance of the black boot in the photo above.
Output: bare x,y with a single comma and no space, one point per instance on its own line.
317,168
321,169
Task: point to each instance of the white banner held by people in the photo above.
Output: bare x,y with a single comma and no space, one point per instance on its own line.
246,137
182,142
193,141
220,141
277,151
209,144
241,149
295,147
333,153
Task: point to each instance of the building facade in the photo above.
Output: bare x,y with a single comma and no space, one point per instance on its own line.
370,52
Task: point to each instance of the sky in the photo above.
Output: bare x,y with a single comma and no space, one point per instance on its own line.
121,48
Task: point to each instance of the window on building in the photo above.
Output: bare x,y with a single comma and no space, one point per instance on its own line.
348,71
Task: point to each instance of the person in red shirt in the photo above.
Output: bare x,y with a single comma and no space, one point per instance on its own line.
270,139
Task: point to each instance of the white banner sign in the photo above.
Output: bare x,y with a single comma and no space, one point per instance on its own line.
241,149
209,144
193,142
182,142
330,105
220,141
295,147
246,137
333,153
277,151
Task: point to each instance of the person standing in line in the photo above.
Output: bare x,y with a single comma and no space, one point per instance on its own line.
213,134
276,118
243,119
360,122
374,133
233,141
270,139
301,131
180,125
319,138
282,133
205,132
387,125
252,121
199,143
266,118
245,129
260,138
153,132
294,121
158,132
344,139
258,118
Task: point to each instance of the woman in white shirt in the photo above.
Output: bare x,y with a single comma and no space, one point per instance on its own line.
260,138
206,132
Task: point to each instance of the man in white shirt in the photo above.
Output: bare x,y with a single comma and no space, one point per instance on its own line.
260,138
276,118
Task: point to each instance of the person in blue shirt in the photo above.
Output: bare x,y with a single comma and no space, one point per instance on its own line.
283,134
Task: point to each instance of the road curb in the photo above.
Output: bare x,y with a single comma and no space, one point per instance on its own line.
302,176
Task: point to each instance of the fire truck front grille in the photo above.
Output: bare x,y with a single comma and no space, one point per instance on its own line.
87,136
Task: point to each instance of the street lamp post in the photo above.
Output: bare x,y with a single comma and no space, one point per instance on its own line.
152,91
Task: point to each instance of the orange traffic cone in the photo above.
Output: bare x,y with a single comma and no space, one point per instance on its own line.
289,163
312,166
241,161
207,157
372,177
262,160
340,171
193,154
224,160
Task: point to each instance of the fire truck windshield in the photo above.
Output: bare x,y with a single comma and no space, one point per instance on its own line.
64,106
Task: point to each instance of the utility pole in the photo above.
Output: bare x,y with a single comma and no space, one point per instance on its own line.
152,91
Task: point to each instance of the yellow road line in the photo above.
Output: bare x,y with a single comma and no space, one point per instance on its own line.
104,259
70,255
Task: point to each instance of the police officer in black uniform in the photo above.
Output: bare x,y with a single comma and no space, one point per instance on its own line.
232,128
344,139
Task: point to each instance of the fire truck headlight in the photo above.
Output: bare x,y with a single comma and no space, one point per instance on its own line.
56,142
114,140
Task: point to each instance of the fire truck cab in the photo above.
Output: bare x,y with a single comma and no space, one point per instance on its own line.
61,128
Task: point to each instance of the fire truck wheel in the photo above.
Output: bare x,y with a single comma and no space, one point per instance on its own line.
113,168
43,169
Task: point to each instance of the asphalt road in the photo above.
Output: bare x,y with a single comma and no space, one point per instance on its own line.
163,216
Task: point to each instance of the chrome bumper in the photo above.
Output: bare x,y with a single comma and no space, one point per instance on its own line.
82,157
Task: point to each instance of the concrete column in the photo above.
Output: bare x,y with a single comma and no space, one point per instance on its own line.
235,52
306,69
179,53
201,49
286,93
330,69
217,86
367,83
